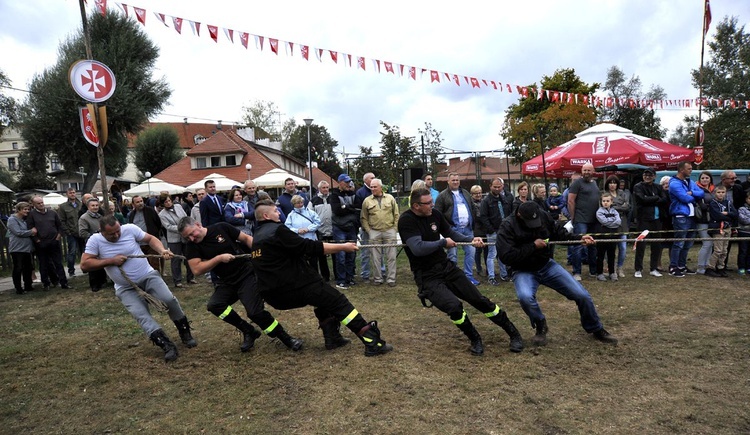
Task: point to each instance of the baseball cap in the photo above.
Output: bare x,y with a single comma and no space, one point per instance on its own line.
531,214
345,178
649,171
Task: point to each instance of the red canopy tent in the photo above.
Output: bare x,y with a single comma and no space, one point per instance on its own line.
607,144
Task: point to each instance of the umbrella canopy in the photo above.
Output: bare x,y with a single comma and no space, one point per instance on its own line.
275,178
222,183
607,144
54,199
153,186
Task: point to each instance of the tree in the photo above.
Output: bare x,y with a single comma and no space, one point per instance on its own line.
726,77
156,149
50,113
641,120
263,114
433,146
321,142
397,153
8,106
532,120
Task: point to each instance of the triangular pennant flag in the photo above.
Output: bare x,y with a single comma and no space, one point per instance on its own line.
401,69
456,80
289,48
305,51
124,8
101,6
413,72
494,85
388,67
259,42
274,43
229,33
376,65
213,32
361,62
244,36
161,17
485,83
319,54
474,83
196,26
510,91
140,15
334,56
348,58
177,22
434,76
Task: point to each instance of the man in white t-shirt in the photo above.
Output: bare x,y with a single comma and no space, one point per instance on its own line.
110,250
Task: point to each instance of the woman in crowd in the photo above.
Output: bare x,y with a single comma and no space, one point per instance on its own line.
305,223
20,247
523,196
622,204
238,212
702,219
540,195
170,216
479,231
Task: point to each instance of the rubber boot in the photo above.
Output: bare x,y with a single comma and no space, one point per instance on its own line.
160,339
516,341
370,336
295,344
249,335
332,334
183,328
476,348
540,339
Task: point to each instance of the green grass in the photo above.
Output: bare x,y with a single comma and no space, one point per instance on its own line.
76,362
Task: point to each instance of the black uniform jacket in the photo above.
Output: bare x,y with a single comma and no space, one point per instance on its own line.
515,243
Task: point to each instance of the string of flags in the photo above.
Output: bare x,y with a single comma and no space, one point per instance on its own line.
276,46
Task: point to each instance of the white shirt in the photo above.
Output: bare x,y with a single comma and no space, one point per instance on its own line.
128,244
462,208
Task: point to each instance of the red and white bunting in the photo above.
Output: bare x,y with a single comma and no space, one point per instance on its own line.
177,23
140,14
213,32
162,18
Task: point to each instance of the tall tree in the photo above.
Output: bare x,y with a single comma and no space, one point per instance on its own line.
157,148
8,106
322,147
264,114
533,120
50,113
628,114
398,152
433,146
726,77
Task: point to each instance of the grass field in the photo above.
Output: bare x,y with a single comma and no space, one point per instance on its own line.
76,362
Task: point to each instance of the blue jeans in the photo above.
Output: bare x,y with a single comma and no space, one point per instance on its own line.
558,279
364,255
468,252
344,260
583,228
492,256
622,249
679,252
73,247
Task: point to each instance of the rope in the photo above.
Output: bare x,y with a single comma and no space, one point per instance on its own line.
150,299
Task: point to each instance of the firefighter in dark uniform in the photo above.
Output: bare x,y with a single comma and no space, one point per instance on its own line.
214,248
438,279
286,281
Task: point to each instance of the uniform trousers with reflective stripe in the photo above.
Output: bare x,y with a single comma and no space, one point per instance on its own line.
445,285
328,302
245,291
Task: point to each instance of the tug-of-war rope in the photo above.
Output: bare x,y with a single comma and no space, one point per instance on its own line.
161,306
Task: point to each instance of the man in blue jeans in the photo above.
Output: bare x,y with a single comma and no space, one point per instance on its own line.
454,203
345,210
683,192
583,202
522,246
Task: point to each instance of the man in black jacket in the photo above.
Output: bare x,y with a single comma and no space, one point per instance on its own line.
346,209
286,281
147,219
648,196
494,208
522,246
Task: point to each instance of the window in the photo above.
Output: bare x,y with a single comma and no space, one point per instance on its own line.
231,161
215,161
15,145
54,163
12,164
200,162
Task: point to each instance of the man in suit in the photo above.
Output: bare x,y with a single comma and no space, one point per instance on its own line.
211,206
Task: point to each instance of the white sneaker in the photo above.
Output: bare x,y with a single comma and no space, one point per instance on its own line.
620,272
601,277
638,274
655,273
613,277
577,276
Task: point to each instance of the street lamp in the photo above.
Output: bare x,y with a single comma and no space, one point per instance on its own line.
309,121
148,183
83,179
248,167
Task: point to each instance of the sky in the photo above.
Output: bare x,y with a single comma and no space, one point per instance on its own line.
510,42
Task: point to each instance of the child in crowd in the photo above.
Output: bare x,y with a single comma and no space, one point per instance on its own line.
555,202
609,221
743,255
723,215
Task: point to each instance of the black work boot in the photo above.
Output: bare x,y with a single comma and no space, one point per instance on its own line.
292,343
249,335
160,339
605,337
370,336
540,339
183,328
476,348
332,334
516,341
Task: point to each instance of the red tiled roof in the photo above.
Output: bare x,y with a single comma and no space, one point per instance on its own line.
185,131
221,142
490,167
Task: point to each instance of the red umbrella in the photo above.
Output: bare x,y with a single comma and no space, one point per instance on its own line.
607,144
